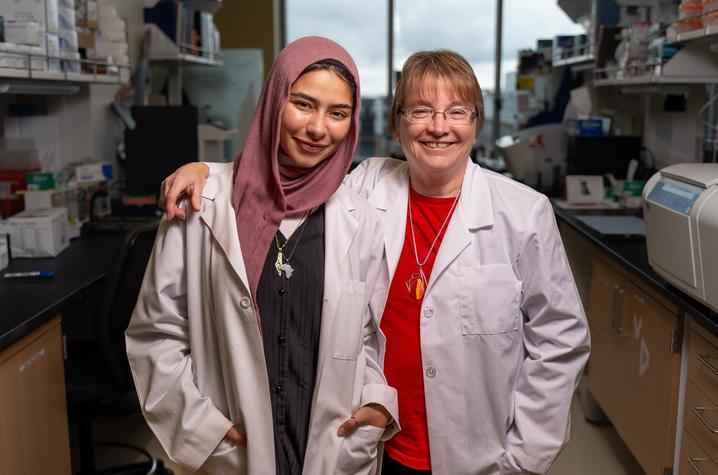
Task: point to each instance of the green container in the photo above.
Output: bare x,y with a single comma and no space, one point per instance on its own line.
633,188
40,181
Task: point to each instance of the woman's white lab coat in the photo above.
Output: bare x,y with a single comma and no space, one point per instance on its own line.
504,338
196,351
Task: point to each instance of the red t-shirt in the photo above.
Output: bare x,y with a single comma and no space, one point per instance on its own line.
400,323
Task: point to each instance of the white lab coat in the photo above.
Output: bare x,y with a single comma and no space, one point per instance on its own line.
504,338
196,353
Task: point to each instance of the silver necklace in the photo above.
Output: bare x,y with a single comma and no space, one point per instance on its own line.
416,284
280,264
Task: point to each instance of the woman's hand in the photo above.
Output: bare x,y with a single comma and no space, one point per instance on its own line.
235,436
187,182
373,414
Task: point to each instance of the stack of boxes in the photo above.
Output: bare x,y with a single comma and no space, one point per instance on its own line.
53,33
30,32
67,35
110,38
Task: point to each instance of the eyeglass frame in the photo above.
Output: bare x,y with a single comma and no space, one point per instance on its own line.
405,112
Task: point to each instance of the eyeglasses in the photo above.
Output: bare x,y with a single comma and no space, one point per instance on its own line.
424,115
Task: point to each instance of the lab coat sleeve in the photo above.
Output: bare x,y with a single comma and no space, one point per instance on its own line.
217,167
376,389
556,341
186,423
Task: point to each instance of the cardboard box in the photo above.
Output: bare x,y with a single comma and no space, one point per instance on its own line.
23,32
38,233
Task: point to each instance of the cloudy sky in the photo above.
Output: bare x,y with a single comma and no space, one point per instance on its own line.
466,26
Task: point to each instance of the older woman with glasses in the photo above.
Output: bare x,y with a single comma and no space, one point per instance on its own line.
486,336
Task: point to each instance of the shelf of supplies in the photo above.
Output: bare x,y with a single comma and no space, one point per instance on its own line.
694,63
582,60
650,79
120,74
707,32
164,49
187,58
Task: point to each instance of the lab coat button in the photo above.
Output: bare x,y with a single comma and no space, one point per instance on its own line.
428,312
278,389
245,302
282,291
430,372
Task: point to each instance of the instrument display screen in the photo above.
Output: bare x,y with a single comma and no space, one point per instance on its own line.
674,195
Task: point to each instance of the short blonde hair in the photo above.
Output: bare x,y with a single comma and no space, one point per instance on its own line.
445,64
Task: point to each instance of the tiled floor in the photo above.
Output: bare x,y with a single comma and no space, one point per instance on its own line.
595,449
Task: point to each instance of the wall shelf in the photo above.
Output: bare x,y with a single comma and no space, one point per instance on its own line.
584,61
694,63
120,74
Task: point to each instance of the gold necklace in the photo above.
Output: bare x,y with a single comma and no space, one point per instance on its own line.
279,264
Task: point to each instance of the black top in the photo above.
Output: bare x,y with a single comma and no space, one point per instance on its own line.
290,311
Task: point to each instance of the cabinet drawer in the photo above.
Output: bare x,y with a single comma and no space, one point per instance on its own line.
694,460
701,419
703,365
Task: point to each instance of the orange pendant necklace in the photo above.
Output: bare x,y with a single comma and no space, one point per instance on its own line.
417,283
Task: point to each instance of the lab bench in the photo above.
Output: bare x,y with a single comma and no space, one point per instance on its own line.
644,334
34,433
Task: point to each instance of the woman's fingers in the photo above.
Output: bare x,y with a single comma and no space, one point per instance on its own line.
374,415
187,182
348,426
236,436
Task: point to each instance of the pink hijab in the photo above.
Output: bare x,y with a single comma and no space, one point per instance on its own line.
261,197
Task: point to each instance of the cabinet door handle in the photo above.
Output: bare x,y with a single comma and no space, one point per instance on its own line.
698,412
704,361
694,461
618,292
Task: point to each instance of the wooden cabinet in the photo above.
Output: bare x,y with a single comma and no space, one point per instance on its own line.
34,433
634,367
699,447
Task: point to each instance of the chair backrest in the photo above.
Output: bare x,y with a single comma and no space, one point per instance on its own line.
119,296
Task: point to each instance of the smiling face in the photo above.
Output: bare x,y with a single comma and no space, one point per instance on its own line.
316,119
436,151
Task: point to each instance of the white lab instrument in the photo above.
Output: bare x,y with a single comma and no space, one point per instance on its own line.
680,210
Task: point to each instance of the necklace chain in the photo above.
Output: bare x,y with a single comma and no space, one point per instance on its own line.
436,238
300,227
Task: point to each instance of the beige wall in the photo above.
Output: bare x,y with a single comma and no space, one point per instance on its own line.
250,24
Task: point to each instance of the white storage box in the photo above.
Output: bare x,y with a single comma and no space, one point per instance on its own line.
38,233
4,254
22,32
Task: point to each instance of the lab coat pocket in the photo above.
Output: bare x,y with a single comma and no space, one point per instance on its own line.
227,458
348,323
489,299
358,452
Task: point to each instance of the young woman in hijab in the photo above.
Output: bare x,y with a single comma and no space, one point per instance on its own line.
254,345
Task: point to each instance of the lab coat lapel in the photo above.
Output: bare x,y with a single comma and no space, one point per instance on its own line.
340,227
390,197
218,215
473,212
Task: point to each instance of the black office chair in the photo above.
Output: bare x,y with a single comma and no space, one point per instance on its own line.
97,374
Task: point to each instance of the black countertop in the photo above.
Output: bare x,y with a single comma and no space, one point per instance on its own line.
25,304
631,253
